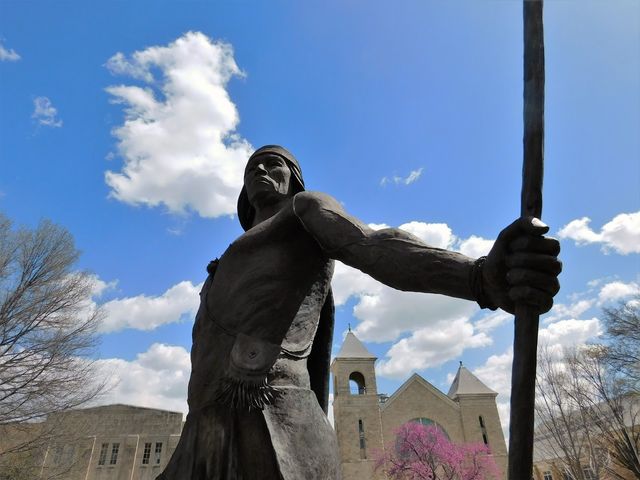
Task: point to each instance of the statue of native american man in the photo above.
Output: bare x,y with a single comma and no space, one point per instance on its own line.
258,393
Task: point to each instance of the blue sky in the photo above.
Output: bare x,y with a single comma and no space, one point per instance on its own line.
408,113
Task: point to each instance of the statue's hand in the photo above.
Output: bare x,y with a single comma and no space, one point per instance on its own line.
522,267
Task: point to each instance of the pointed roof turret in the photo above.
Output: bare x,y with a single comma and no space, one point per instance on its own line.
466,383
353,348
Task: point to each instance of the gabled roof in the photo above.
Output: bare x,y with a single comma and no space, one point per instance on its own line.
466,383
415,378
353,348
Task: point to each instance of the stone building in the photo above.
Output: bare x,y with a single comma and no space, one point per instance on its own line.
365,420
112,442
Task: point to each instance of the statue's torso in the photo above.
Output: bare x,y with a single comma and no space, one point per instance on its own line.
271,283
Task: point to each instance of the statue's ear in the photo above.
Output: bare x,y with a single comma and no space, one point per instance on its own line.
213,266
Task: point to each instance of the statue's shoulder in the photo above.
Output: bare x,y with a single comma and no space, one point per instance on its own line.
309,203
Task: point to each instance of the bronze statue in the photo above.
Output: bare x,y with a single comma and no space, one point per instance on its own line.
258,391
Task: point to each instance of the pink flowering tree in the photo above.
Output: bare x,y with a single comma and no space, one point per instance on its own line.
425,453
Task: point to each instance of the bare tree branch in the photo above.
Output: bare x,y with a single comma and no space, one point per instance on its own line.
47,332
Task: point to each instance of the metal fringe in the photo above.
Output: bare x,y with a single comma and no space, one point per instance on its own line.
245,394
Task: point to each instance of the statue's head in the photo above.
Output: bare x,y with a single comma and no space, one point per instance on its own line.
271,172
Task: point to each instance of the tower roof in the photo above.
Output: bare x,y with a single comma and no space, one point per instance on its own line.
466,383
353,348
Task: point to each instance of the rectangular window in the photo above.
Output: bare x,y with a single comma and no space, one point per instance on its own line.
588,473
146,455
103,454
114,453
57,455
483,429
158,452
547,476
363,445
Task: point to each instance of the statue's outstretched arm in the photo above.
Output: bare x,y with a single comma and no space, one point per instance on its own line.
392,256
521,267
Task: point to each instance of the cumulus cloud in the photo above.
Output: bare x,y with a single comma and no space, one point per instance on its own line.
437,235
178,142
144,312
431,346
570,332
157,378
475,246
492,321
387,315
436,328
45,113
621,235
574,310
8,55
496,371
614,291
413,176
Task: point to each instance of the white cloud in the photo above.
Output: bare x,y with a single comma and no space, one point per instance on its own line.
570,332
475,246
45,113
439,327
492,321
413,176
390,313
622,234
431,346
178,140
330,411
157,378
143,312
8,55
496,371
349,282
562,311
437,235
617,291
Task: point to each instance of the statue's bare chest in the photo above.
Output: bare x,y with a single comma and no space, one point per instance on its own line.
266,273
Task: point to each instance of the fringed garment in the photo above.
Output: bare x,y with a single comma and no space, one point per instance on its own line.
242,427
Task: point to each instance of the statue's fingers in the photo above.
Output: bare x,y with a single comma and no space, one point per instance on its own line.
538,299
532,278
535,261
523,225
536,244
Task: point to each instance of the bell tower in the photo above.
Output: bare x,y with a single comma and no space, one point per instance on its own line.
355,409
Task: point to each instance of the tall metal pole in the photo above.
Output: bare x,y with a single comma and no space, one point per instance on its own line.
526,322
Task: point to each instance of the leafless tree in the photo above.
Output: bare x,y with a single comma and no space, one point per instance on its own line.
623,346
563,429
47,333
611,407
587,415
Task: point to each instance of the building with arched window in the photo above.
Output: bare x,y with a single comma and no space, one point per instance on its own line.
366,420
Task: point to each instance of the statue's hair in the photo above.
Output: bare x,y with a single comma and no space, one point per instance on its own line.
246,212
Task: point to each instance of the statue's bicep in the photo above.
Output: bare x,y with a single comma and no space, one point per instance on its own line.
327,222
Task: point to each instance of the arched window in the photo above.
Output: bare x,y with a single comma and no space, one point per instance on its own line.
400,442
427,421
356,384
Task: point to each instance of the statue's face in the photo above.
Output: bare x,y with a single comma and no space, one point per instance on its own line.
267,177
